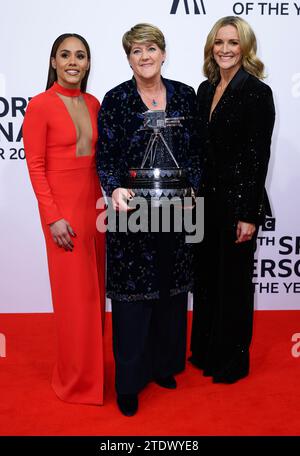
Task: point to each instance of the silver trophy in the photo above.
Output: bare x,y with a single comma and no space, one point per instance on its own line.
155,182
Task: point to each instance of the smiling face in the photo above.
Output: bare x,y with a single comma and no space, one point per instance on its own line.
71,63
146,60
227,50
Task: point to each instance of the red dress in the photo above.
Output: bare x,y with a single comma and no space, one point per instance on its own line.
66,186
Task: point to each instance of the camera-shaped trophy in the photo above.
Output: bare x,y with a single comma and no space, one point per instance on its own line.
156,180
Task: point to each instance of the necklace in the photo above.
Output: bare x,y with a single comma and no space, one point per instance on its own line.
153,100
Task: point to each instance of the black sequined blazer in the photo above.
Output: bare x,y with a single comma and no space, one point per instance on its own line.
235,146
133,260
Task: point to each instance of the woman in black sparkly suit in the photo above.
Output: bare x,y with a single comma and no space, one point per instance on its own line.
235,122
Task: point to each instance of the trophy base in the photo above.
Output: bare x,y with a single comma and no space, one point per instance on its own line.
159,185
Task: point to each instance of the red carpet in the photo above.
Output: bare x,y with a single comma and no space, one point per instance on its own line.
265,403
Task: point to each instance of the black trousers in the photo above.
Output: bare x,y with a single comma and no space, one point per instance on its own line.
223,299
149,340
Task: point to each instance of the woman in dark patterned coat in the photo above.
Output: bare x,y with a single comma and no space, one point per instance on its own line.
235,120
149,274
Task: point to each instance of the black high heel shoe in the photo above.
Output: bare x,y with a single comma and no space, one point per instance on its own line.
193,360
128,404
167,382
237,369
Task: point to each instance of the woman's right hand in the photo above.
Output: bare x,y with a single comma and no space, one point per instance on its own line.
120,196
61,231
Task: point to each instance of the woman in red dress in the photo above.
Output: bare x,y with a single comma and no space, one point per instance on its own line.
60,133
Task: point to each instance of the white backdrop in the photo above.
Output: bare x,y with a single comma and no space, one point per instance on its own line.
28,29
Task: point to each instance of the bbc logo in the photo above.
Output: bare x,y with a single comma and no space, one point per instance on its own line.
269,224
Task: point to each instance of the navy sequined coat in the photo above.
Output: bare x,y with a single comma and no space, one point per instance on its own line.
236,146
134,271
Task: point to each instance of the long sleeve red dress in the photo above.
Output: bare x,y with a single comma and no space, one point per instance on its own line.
66,185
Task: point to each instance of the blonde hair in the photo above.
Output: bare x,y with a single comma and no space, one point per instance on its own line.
250,61
143,33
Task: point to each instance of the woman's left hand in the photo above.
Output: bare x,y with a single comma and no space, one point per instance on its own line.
244,232
120,197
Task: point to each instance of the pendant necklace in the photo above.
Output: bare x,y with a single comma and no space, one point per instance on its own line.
154,100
